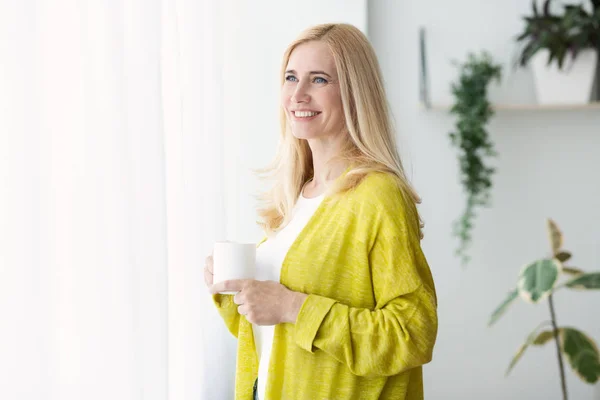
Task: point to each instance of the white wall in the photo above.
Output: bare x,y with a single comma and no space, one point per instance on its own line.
547,167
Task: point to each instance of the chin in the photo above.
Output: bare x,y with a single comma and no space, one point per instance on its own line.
305,135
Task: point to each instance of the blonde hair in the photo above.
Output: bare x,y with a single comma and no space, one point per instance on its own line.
370,145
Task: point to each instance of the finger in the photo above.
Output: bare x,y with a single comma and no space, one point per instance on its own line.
209,264
237,298
243,310
208,277
234,285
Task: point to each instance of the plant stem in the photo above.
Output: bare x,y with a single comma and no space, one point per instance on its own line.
558,352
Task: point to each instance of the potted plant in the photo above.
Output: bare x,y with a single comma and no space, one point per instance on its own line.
538,281
563,51
472,140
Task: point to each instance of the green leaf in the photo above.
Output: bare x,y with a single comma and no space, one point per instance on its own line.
551,56
572,270
561,52
502,307
543,338
532,339
546,8
585,281
520,353
537,279
516,358
588,366
582,354
556,238
522,36
563,256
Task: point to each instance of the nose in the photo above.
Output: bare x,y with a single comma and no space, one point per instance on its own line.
300,94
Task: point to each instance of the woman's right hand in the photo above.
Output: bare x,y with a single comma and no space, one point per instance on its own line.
208,271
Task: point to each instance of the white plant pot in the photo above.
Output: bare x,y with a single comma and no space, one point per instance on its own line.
571,85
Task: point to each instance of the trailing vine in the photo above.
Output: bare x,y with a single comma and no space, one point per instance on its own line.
472,140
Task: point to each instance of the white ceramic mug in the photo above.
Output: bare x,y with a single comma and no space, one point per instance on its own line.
232,260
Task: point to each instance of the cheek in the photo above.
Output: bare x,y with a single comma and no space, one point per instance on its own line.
337,116
285,102
285,95
335,108
333,101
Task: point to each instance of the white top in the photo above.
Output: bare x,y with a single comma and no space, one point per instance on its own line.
269,258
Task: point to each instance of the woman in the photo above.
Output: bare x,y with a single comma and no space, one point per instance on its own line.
354,316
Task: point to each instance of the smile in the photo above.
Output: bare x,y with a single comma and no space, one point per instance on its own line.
305,115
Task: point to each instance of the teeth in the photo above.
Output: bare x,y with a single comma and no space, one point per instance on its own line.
303,114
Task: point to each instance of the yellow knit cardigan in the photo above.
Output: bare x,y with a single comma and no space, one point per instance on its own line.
370,320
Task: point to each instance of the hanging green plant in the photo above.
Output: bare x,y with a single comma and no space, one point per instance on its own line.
472,140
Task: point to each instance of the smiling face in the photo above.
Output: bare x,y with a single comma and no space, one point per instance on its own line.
310,94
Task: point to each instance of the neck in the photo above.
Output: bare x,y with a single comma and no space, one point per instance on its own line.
323,150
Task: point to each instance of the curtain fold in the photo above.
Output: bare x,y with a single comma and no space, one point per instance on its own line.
128,129
112,193
83,251
201,352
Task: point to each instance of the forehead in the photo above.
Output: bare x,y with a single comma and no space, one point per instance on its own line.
311,56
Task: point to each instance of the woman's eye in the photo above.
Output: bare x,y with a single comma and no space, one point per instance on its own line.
292,78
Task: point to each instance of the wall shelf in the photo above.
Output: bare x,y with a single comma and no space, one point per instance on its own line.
426,104
521,107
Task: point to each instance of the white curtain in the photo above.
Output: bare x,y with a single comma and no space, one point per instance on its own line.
111,192
127,132
199,182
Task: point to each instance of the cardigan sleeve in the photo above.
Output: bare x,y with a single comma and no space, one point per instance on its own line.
400,332
228,311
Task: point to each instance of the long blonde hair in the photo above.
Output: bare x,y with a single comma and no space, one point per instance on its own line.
370,144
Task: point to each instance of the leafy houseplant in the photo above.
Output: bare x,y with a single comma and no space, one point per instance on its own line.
538,281
569,33
471,138
550,40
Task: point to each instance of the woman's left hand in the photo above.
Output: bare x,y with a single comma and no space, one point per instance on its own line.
263,302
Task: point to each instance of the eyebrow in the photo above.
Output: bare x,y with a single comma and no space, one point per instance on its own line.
291,71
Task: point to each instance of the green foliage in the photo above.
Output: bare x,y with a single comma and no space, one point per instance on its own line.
582,353
537,281
585,281
472,140
501,309
576,29
534,338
